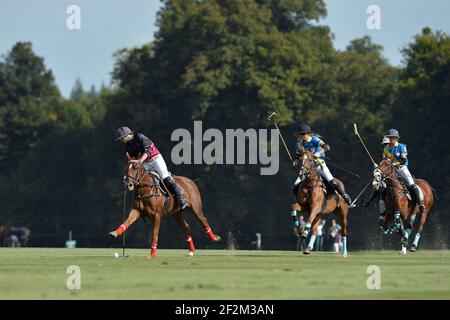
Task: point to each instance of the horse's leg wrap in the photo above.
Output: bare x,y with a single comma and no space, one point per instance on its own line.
416,239
153,251
311,242
306,230
344,246
397,221
190,243
407,233
295,218
177,191
210,234
120,230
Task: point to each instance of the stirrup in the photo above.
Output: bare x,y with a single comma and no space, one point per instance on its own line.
183,203
347,198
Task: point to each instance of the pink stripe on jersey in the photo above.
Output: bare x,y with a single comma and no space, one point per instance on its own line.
155,151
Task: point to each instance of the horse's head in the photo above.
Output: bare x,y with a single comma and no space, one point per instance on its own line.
133,175
383,171
306,165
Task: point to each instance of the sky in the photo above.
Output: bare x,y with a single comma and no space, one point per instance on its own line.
109,25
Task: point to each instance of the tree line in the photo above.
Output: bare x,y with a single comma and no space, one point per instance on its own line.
228,64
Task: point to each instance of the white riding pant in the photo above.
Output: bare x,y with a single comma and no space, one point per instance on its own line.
158,165
409,180
322,170
406,176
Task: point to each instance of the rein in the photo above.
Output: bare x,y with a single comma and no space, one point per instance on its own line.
395,182
307,174
139,184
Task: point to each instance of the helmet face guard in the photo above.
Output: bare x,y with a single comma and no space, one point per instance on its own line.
122,132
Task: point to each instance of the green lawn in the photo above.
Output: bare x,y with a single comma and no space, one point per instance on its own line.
40,273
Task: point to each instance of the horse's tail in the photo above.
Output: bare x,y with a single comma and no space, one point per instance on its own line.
435,193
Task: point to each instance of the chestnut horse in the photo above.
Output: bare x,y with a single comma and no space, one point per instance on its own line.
149,200
399,209
312,198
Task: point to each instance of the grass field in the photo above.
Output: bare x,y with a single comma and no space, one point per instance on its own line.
40,273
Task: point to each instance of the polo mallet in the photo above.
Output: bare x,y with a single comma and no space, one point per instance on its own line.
279,133
355,129
343,169
124,216
352,205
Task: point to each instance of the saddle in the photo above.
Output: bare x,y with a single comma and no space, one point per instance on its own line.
406,190
328,189
161,187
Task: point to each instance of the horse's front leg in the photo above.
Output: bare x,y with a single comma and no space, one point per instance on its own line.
400,220
156,225
132,217
315,209
312,239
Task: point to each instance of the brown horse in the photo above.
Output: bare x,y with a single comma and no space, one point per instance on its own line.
400,209
312,198
149,200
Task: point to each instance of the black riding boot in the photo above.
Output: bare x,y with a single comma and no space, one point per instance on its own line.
177,191
341,191
416,191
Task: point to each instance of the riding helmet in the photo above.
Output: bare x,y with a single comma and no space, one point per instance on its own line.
392,133
385,140
122,132
304,128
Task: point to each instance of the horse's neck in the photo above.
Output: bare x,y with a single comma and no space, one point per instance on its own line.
394,181
312,177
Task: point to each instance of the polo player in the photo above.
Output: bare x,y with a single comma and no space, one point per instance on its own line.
138,145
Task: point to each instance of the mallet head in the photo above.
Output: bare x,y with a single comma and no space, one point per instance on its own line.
271,115
355,129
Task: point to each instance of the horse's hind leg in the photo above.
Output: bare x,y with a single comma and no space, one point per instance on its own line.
342,211
132,217
187,232
156,225
295,210
415,243
196,206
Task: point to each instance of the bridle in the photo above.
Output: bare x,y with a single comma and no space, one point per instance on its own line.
384,178
132,182
308,172
136,183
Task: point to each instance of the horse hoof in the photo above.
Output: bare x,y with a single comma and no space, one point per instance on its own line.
307,251
151,256
113,234
191,254
412,249
217,238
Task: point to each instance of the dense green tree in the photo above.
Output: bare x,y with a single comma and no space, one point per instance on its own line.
28,103
229,64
